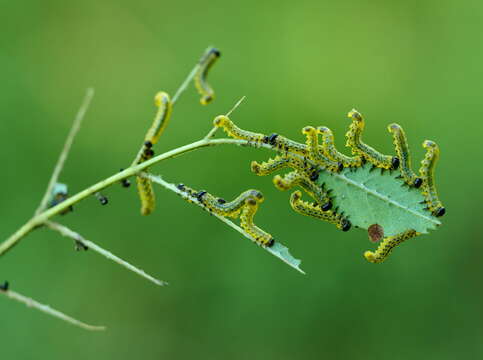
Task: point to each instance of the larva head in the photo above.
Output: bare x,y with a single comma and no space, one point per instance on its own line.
279,183
215,52
251,202
296,195
346,225
355,116
308,130
221,121
161,99
439,212
417,182
395,162
324,131
393,128
370,256
205,100
327,206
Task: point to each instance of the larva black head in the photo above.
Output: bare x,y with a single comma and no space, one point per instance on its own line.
272,139
221,201
395,162
103,200
215,52
314,176
417,183
340,167
199,195
125,183
4,286
327,206
439,212
148,144
270,242
346,225
181,187
149,152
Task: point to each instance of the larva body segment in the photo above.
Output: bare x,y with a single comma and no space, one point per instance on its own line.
165,107
234,131
315,151
314,210
281,143
270,166
246,222
146,195
402,151
232,208
330,151
387,245
358,147
205,64
294,178
426,171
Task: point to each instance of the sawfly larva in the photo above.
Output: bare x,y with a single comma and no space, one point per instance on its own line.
329,150
354,141
206,62
314,210
426,171
386,246
402,151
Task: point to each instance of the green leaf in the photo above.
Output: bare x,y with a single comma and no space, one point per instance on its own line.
370,197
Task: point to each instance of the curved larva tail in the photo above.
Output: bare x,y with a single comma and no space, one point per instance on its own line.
402,151
426,171
330,151
354,141
206,62
161,120
387,245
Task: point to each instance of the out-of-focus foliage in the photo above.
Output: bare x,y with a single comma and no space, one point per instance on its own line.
416,63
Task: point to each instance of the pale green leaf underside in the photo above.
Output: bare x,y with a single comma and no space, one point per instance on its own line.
367,197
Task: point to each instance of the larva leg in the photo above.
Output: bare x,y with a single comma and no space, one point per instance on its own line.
329,150
314,210
234,131
272,165
402,151
232,208
426,172
146,195
206,62
354,141
385,247
315,153
295,178
246,222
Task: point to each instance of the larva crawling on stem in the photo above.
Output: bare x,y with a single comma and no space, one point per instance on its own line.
206,62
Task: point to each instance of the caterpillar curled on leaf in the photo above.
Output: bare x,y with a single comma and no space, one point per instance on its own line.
426,171
402,151
246,222
354,141
205,64
161,120
314,210
315,151
295,178
146,195
330,151
387,245
234,131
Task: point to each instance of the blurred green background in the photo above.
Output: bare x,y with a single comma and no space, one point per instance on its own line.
417,63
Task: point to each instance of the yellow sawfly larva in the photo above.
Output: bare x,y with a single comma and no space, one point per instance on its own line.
387,245
402,151
234,131
246,222
268,167
221,207
206,62
315,153
330,151
161,120
314,210
294,178
426,171
146,195
354,141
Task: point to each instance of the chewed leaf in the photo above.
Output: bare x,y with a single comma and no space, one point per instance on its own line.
283,254
368,197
